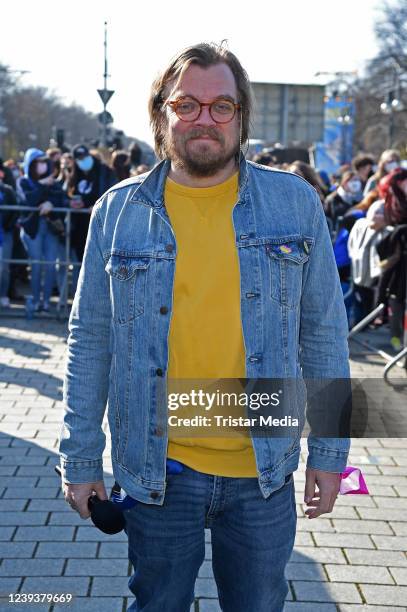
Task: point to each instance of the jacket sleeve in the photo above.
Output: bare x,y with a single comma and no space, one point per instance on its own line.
82,440
10,217
324,350
32,196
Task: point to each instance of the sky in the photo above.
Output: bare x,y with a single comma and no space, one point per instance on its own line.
61,44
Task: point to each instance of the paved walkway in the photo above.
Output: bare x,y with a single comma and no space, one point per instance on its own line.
354,559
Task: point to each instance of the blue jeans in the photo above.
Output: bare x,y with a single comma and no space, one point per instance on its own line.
5,269
43,247
252,541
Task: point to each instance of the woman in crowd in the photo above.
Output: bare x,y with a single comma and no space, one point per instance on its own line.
389,161
121,165
393,253
310,175
8,220
364,237
39,233
343,198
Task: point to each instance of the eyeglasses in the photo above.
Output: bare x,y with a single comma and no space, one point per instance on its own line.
190,109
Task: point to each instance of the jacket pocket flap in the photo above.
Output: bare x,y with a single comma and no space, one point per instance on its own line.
124,268
298,252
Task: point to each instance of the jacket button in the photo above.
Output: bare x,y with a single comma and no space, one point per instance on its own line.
154,494
123,270
163,310
158,431
159,372
169,248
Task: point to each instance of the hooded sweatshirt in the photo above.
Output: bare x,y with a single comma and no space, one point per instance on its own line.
33,193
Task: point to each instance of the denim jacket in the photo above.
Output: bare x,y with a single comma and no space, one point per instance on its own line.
293,320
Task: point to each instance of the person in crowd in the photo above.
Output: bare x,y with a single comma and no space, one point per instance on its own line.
40,229
1,248
326,182
89,179
346,195
343,262
121,165
310,175
389,160
135,156
141,169
65,170
265,159
364,237
178,265
7,223
11,172
363,165
393,252
54,154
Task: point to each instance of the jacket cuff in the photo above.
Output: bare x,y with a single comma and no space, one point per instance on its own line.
80,472
326,460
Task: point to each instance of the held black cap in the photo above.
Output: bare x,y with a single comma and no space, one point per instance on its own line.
106,515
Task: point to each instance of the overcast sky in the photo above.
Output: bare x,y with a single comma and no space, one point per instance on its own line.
61,43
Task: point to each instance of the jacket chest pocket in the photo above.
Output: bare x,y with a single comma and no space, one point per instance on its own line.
127,286
286,262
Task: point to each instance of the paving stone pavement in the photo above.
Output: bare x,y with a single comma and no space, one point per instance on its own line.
349,561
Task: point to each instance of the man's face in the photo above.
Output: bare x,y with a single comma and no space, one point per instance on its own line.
203,147
365,171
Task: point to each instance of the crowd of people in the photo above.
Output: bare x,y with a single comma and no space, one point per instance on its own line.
365,205
49,181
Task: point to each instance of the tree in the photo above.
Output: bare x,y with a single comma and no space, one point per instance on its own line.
384,82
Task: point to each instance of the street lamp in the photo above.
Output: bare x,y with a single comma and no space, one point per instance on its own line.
344,121
390,107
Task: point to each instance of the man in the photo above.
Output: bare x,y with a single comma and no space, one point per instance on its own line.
208,267
363,164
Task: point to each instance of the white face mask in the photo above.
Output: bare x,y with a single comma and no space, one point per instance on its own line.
42,168
354,186
391,165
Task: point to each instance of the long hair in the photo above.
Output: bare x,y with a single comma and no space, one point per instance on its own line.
395,204
310,175
204,55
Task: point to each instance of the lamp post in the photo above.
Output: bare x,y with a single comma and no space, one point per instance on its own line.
345,121
393,103
390,107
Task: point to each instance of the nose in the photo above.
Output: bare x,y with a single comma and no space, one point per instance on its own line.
205,117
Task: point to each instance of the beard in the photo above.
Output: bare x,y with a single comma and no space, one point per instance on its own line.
201,160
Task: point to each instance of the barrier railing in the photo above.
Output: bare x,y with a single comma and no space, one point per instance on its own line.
402,354
62,305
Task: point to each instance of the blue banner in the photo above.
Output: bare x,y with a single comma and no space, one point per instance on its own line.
337,146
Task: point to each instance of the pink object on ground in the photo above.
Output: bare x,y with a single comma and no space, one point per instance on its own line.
352,482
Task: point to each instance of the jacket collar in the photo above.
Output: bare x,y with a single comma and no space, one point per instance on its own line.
150,191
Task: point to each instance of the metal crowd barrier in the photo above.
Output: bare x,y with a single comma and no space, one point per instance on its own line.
402,354
62,305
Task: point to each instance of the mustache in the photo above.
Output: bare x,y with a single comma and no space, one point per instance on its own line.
198,132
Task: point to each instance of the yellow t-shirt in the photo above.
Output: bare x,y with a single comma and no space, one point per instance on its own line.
206,338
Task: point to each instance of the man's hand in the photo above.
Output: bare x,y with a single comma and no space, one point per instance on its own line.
323,500
77,495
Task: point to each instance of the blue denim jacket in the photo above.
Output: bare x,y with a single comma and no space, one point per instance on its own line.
293,319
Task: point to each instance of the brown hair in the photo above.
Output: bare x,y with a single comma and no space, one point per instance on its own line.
309,174
204,55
